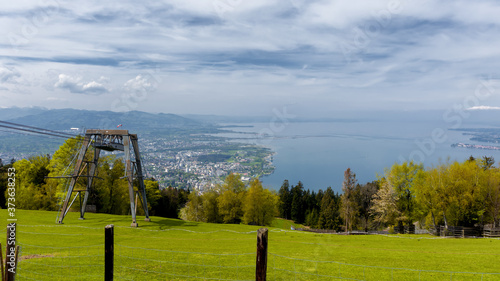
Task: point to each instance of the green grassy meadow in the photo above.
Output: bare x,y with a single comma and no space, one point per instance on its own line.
169,249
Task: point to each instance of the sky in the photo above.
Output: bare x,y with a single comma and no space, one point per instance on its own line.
260,57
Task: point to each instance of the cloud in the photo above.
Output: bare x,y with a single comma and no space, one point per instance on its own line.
484,107
139,83
55,99
8,75
74,85
358,53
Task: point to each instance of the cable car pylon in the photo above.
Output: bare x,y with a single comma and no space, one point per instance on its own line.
109,140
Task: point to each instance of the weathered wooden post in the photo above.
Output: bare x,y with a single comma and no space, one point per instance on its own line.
261,268
108,252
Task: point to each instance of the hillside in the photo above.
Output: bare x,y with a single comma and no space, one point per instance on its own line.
19,144
64,119
174,249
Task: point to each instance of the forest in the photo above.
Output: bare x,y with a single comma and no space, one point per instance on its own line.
451,194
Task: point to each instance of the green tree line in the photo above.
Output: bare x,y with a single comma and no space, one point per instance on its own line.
37,189
449,194
328,209
233,202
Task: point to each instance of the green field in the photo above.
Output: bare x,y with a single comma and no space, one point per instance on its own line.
168,249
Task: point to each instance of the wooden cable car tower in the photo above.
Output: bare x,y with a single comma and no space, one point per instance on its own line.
109,140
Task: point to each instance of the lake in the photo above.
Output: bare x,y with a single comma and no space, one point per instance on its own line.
318,153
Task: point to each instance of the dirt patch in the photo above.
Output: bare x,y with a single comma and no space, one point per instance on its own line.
28,257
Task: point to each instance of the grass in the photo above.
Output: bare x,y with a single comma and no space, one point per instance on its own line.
166,249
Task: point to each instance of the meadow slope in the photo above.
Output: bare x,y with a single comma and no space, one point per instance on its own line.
166,249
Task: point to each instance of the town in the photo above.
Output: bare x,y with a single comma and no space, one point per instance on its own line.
201,162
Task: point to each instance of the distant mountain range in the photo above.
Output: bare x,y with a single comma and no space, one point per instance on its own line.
65,119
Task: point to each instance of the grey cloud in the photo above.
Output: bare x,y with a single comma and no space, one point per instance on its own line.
8,74
74,85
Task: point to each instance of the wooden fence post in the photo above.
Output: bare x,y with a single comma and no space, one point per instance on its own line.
11,253
108,252
261,268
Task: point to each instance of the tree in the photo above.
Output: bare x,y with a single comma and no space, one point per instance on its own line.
4,183
329,214
487,162
365,194
349,207
171,201
260,205
454,192
33,192
193,211
427,195
385,208
210,207
285,201
153,195
63,162
466,184
111,193
492,197
230,200
297,211
403,178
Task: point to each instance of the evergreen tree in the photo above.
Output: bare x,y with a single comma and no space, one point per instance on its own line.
329,215
297,211
285,201
365,194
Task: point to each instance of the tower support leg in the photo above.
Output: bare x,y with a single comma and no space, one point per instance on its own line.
74,178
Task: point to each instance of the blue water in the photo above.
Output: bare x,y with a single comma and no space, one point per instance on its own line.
318,153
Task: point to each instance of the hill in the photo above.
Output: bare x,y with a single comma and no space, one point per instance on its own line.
174,249
16,112
65,119
21,144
